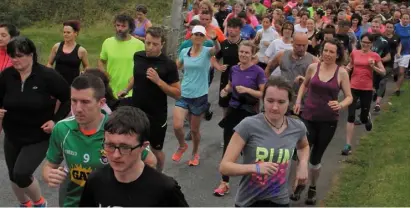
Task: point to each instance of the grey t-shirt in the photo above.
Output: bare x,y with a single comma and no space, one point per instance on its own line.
263,144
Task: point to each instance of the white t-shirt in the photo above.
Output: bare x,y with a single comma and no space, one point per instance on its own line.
299,29
268,35
276,46
213,21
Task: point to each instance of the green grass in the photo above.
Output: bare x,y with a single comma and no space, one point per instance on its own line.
378,173
91,37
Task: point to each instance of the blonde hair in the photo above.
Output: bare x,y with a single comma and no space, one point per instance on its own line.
209,5
249,44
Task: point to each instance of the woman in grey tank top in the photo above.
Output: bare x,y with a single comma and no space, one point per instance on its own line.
267,141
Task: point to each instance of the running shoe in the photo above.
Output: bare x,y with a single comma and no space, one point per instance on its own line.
195,160
311,196
357,121
208,115
41,205
377,108
27,204
179,153
368,125
347,150
297,193
222,189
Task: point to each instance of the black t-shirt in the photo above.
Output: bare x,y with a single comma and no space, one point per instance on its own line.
345,41
229,53
220,16
393,43
151,189
380,46
146,95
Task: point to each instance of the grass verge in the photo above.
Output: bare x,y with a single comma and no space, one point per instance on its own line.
378,173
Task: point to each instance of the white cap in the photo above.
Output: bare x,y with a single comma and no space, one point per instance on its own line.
384,2
199,29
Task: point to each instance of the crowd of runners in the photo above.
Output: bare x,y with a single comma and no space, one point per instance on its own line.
282,63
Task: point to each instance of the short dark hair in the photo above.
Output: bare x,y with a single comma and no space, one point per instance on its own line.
358,17
340,49
75,24
22,45
109,95
287,23
207,13
11,29
370,36
320,12
281,83
242,14
88,80
129,120
141,8
124,18
235,23
157,32
195,22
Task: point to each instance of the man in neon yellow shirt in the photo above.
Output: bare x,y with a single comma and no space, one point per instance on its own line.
117,53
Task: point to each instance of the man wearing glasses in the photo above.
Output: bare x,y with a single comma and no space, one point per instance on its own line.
78,141
127,181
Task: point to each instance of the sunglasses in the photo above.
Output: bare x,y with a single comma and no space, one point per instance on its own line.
199,34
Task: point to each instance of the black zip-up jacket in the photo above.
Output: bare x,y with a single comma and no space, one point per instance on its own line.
31,103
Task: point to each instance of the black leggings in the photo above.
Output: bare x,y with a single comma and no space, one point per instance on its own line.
319,134
365,97
23,160
232,119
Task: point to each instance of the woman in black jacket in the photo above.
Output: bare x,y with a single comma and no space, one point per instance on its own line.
28,93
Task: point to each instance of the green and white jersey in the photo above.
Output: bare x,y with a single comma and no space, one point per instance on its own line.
82,155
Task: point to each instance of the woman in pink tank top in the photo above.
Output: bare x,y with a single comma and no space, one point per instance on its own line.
323,82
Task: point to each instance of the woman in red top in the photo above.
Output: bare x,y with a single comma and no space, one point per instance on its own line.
7,32
363,63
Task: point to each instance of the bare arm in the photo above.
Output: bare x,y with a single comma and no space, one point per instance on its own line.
47,167
256,93
214,50
345,86
274,63
303,151
52,55
84,58
379,68
399,48
101,64
172,90
228,164
179,64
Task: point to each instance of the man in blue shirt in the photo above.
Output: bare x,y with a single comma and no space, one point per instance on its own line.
402,29
247,32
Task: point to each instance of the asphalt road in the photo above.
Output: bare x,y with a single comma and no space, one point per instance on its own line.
199,182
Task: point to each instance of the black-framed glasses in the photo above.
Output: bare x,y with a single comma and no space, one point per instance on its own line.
123,149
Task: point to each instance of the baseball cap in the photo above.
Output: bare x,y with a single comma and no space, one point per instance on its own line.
199,29
384,2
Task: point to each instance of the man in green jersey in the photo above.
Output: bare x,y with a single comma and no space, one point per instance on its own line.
117,53
78,140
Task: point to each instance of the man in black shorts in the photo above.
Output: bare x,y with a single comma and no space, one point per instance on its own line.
155,77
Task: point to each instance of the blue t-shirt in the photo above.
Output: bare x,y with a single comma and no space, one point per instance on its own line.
404,33
258,27
188,43
247,32
196,71
291,19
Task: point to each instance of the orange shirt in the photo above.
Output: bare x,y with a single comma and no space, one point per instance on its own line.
220,35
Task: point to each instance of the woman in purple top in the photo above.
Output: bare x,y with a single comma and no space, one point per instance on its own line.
246,84
323,81
142,23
